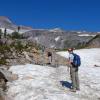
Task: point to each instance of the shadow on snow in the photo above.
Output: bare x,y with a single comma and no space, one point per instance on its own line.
66,84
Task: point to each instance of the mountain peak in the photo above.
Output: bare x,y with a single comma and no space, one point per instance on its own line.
4,18
56,30
5,22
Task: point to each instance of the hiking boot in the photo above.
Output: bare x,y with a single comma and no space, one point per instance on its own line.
73,90
78,89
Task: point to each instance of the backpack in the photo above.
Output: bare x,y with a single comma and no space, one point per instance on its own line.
76,60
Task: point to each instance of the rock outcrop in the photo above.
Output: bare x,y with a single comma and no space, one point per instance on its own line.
94,42
5,76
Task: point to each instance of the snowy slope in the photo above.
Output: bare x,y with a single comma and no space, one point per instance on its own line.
43,82
9,31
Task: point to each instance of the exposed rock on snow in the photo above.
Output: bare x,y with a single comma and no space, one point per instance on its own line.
5,76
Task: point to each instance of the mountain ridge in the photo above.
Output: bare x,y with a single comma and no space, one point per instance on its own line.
51,38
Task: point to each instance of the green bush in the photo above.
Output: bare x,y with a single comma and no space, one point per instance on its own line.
16,35
4,48
18,46
1,33
3,61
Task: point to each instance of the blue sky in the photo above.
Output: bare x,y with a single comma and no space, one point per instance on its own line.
65,14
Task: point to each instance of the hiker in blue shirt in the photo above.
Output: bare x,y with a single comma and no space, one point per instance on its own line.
49,57
73,71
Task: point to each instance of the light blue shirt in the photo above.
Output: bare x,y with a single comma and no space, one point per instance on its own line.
71,57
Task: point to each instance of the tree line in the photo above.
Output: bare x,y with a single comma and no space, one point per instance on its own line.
13,35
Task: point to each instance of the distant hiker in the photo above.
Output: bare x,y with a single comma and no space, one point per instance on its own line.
49,54
75,62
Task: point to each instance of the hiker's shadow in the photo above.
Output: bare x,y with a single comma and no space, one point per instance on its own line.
66,84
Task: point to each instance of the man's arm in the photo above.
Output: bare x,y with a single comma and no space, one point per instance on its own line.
71,58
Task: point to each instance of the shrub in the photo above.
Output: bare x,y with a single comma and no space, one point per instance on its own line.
16,35
4,48
3,61
1,33
18,46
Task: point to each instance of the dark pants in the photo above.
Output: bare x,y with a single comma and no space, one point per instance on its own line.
74,77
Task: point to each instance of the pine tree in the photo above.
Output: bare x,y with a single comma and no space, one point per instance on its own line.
5,33
0,33
19,28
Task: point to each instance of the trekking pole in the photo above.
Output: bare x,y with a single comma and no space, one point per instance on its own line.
68,69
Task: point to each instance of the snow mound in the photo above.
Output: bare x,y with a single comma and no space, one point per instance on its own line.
44,82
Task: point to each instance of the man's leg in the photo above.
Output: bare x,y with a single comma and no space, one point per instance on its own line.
72,73
77,80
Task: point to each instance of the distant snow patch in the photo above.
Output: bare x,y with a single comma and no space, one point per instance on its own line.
23,31
9,31
86,35
57,38
79,32
52,46
55,30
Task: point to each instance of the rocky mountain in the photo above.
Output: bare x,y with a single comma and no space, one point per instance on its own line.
58,38
51,38
5,22
94,42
